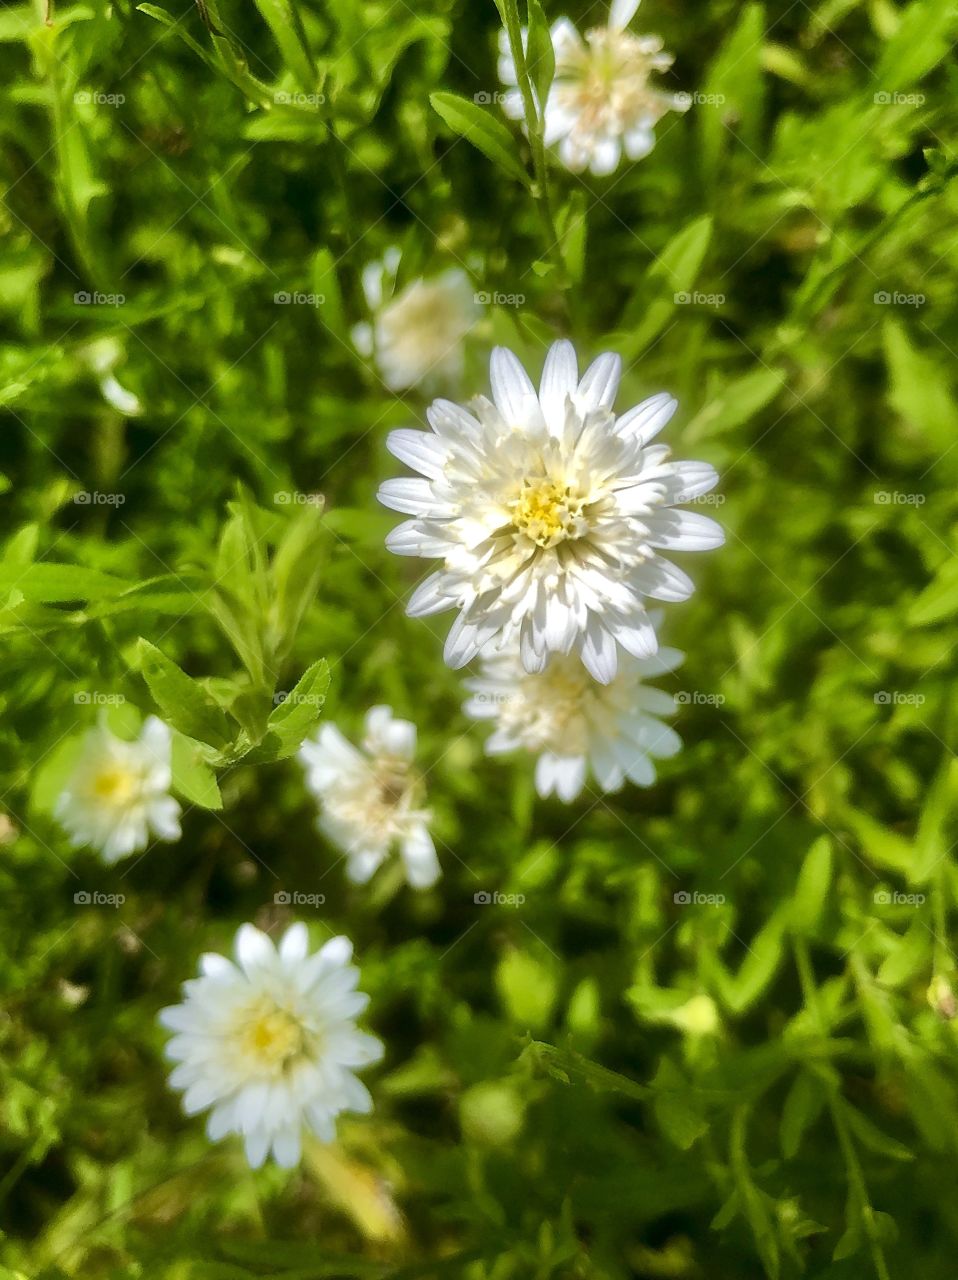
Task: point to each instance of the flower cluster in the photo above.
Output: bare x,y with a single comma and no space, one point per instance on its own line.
552,517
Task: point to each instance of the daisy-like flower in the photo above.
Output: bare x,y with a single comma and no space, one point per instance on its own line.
548,513
118,792
416,336
575,726
602,101
268,1044
372,799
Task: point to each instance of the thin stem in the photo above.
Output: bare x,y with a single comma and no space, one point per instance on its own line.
534,127
858,1188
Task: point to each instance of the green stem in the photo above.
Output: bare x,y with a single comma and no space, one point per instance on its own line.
856,1178
534,127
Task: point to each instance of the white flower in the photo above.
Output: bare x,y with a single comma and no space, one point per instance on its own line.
269,1044
417,334
118,792
548,512
602,101
575,725
372,798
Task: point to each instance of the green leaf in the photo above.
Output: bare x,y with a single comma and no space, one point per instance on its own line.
735,79
540,53
932,842
911,955
674,1107
920,388
939,599
193,779
738,402
922,40
181,700
802,1107
46,583
482,129
812,888
870,1136
295,716
287,28
527,988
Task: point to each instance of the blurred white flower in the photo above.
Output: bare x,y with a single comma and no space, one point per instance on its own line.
548,513
118,792
269,1044
576,726
372,798
416,336
103,356
602,101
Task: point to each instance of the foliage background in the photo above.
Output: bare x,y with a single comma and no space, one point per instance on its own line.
815,1125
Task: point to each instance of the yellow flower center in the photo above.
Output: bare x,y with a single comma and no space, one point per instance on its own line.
114,785
547,512
274,1037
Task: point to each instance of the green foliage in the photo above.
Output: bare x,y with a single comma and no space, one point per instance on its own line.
740,983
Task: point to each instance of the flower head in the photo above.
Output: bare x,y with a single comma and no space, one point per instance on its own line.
417,334
602,101
372,799
575,726
268,1044
548,513
118,792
